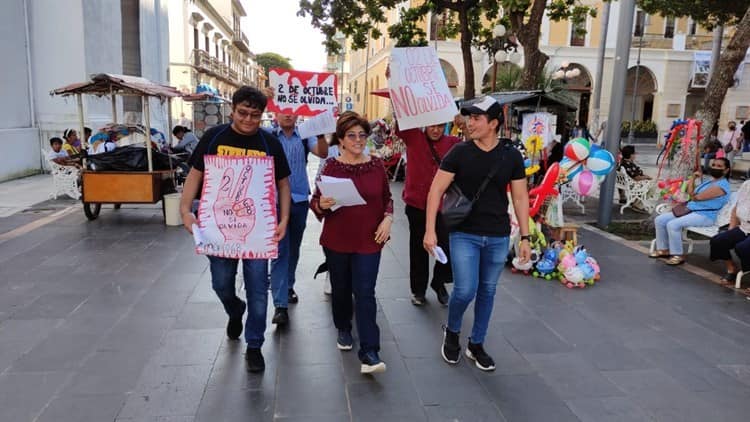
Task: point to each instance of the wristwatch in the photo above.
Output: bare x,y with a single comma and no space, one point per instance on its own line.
526,237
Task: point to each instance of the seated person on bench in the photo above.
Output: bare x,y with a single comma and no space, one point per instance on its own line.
706,200
737,237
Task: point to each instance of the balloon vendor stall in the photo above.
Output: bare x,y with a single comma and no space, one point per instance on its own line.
583,168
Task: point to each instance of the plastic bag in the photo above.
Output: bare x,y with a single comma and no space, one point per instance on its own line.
554,215
129,158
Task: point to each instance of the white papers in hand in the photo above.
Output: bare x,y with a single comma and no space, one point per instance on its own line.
440,255
198,235
342,190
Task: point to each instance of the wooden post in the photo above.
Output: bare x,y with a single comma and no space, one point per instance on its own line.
114,106
84,143
145,101
169,121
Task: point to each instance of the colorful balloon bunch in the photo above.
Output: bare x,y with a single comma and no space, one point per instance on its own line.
674,190
577,268
586,165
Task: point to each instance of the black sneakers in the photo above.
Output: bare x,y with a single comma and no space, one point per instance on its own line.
344,340
234,326
255,361
280,317
292,298
451,349
481,359
371,363
442,294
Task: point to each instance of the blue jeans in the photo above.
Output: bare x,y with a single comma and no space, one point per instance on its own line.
353,273
284,267
255,272
669,229
477,263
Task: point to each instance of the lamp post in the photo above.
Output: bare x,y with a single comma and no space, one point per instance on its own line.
503,49
565,72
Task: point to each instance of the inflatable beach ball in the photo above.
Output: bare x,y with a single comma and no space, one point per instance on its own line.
583,183
578,149
601,162
570,167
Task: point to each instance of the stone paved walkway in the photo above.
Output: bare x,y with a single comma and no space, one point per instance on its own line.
114,320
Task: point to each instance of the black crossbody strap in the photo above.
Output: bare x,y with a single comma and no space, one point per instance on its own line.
489,177
435,155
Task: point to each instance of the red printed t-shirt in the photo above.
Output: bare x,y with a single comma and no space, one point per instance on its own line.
352,229
422,165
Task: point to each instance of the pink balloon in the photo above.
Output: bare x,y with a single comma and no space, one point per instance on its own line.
583,182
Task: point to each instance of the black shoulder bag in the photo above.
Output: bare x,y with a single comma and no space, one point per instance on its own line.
456,206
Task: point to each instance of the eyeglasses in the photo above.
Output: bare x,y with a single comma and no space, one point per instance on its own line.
242,114
354,136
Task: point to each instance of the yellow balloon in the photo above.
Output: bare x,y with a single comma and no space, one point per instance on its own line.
534,145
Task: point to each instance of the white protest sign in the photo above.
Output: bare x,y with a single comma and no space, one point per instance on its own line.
321,124
302,93
237,213
418,90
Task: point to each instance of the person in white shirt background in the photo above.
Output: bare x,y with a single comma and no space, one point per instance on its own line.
730,140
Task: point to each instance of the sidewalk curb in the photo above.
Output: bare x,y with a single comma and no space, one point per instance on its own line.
700,272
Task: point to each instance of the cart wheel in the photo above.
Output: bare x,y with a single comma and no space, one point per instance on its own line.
92,210
117,206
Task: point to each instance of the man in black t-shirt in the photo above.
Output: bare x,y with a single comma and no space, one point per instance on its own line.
241,137
479,244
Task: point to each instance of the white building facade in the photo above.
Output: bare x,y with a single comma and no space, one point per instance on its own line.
48,44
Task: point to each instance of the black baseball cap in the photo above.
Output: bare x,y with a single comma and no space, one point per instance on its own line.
486,105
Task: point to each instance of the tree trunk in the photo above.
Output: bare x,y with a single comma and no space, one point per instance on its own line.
534,62
466,37
723,77
528,35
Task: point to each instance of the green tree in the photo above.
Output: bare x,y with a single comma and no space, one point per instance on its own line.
525,20
269,60
710,13
358,18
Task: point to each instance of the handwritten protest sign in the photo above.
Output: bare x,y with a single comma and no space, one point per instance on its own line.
418,90
237,213
302,93
318,125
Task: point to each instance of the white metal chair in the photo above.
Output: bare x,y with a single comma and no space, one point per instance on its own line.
635,191
569,195
64,179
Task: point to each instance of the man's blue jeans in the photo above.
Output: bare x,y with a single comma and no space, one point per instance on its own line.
477,263
255,272
353,273
284,267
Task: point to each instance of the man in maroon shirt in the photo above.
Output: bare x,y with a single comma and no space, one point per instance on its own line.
425,149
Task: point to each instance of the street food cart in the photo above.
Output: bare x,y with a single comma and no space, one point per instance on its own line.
122,187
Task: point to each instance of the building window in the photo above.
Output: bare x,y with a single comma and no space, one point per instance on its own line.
224,56
578,34
692,27
640,23
438,22
669,27
207,44
216,45
196,39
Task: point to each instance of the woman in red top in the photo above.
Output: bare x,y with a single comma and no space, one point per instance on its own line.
353,237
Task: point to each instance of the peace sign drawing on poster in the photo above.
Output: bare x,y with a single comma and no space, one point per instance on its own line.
237,212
